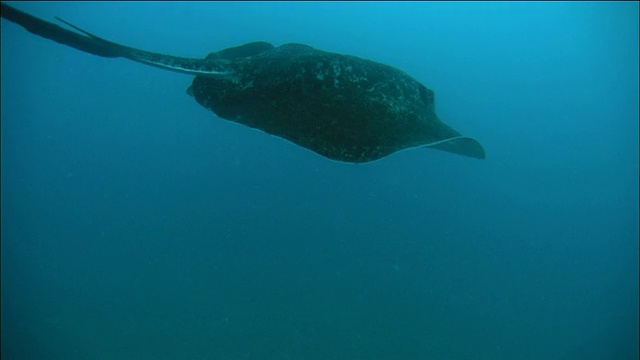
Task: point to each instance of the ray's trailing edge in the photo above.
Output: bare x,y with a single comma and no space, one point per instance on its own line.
340,106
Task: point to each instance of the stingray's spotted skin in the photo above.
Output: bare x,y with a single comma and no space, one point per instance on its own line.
342,107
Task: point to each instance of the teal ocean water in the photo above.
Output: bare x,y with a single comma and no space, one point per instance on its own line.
138,225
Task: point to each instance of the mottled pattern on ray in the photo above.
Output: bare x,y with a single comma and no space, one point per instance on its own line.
342,107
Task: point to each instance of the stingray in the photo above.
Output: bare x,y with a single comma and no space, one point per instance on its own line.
342,107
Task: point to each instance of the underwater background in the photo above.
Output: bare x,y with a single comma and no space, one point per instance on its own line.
138,225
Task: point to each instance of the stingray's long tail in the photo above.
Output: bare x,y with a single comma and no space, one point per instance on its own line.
59,34
92,44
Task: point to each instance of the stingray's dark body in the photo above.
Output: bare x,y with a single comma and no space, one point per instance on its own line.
342,107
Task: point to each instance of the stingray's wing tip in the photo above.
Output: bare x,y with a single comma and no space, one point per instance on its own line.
462,145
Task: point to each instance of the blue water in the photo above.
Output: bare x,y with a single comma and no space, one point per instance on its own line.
137,225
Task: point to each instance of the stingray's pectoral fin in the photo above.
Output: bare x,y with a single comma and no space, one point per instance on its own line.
461,145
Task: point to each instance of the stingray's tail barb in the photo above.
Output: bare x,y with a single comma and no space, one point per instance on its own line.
92,44
89,44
